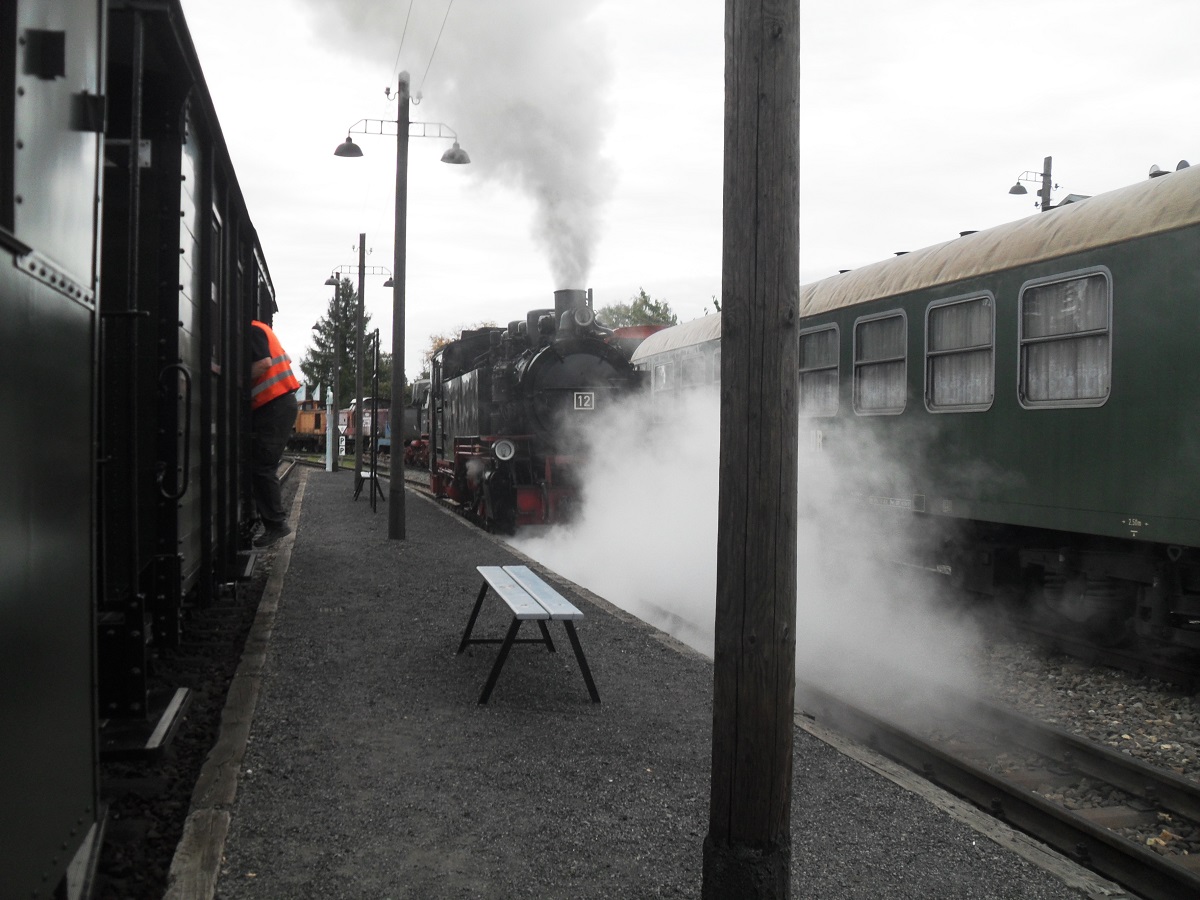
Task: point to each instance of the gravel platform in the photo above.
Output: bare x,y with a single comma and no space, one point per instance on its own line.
370,771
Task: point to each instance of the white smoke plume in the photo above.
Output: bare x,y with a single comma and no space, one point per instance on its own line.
523,83
647,542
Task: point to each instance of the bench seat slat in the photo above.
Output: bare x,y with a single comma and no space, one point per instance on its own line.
557,606
523,606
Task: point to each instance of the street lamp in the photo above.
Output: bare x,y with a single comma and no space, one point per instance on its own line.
363,270
455,156
1034,177
332,449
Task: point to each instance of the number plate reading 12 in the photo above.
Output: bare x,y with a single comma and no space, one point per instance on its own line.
585,400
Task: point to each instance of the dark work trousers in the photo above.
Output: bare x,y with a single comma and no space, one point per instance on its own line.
272,426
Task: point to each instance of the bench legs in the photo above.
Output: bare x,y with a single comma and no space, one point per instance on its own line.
466,638
583,666
510,638
504,648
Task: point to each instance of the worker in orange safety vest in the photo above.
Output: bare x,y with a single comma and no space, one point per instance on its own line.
272,417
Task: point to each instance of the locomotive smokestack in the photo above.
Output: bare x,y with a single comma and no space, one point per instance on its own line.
566,300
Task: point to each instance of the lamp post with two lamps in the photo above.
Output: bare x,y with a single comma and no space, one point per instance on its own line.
363,270
1035,177
332,448
456,156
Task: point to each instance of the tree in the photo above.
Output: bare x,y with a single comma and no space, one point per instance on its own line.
640,310
336,330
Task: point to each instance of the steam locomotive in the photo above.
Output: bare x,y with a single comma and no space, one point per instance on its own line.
506,404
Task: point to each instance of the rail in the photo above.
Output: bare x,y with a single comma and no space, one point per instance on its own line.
967,761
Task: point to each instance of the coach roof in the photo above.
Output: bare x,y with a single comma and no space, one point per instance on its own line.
697,331
1148,207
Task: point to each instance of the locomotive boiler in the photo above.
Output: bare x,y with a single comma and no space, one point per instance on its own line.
508,408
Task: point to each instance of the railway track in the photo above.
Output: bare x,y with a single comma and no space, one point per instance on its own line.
1132,823
1182,668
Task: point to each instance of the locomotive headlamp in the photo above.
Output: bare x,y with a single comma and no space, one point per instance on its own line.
584,317
504,450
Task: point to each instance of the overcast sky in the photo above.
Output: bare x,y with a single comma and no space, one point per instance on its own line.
595,132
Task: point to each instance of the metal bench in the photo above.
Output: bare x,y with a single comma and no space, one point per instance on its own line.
529,598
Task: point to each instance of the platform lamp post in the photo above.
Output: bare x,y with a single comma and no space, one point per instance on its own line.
1035,177
456,156
334,449
359,337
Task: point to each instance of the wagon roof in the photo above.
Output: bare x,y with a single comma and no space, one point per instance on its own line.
1149,207
697,331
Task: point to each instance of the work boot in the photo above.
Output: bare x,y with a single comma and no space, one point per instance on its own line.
273,532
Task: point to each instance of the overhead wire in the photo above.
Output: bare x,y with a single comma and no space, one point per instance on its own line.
403,34
435,45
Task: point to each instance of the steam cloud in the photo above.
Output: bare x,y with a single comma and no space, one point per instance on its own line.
647,542
523,83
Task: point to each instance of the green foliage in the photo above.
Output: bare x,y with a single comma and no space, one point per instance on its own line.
640,310
333,336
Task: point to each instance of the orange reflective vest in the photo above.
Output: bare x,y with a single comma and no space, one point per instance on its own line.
278,379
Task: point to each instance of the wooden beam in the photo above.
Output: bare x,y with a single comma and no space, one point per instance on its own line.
747,852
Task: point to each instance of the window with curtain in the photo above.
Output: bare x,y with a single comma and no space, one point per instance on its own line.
880,365
694,369
662,377
960,354
1066,341
819,372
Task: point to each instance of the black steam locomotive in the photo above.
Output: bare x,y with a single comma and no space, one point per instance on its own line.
507,405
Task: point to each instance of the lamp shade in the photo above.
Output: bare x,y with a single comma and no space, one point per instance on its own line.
1017,188
456,155
348,148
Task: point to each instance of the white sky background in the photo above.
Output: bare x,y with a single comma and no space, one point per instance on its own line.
915,120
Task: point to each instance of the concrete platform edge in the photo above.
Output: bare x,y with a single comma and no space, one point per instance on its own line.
1070,873
197,861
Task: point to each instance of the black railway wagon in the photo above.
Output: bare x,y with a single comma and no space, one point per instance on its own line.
182,277
50,159
132,275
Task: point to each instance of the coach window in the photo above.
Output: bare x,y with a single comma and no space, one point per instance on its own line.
880,364
662,377
1065,338
819,371
960,352
692,372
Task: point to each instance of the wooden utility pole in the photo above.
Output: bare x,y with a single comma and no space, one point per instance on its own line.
747,853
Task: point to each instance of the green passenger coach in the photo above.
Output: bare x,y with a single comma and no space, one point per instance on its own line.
1021,403
1033,385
